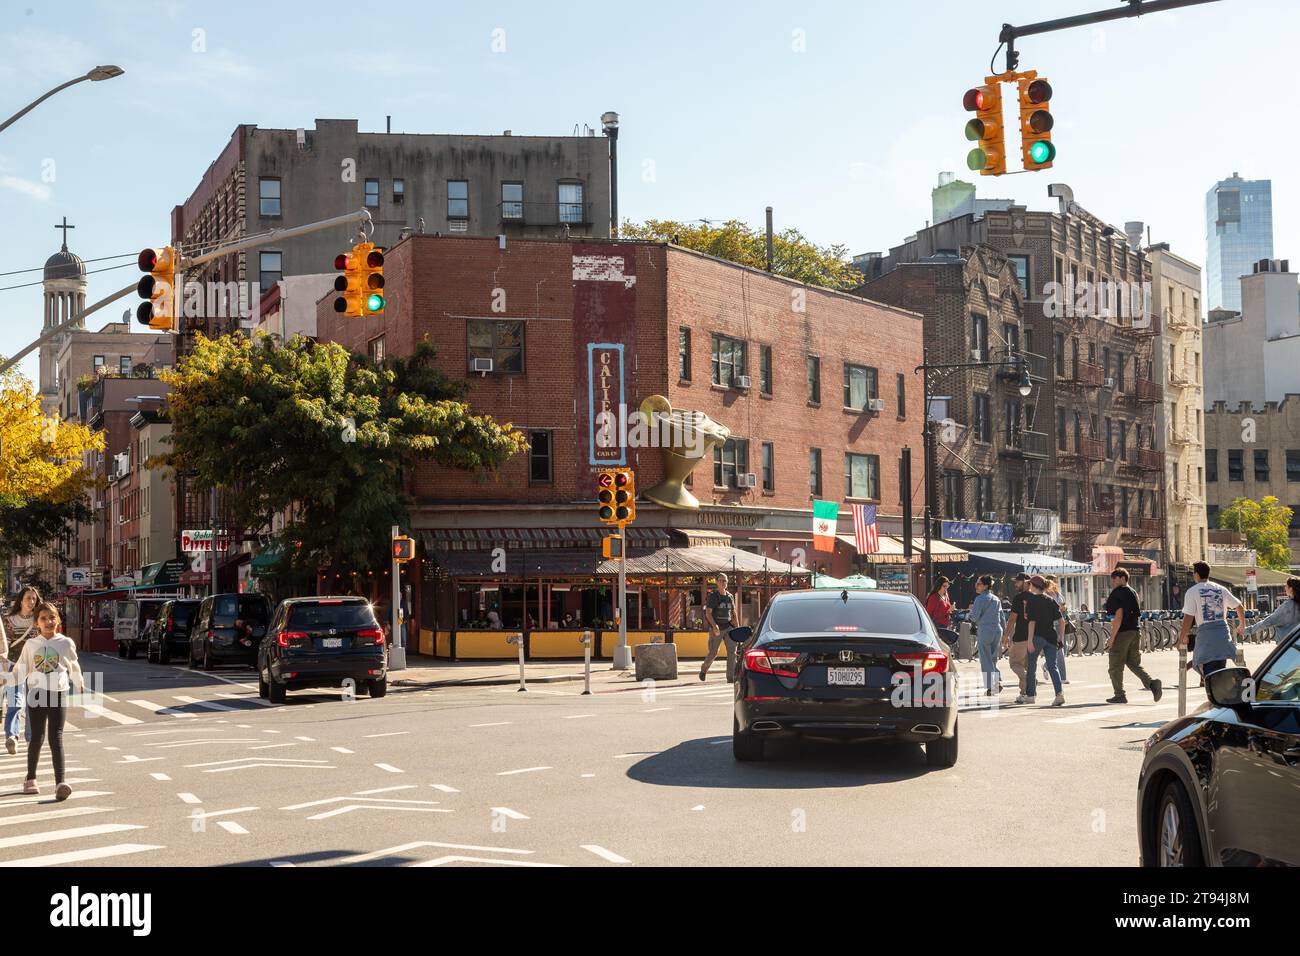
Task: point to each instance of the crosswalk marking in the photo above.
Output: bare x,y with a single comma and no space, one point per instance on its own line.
159,708
246,699
604,854
72,833
95,710
231,827
76,795
206,704
82,856
53,814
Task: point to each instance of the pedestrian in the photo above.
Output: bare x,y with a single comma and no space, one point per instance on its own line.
937,604
1125,642
494,618
1207,606
720,612
1015,636
988,620
1285,618
49,671
1054,592
21,626
1046,631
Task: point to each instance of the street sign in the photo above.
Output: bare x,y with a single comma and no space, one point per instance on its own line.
78,577
1252,581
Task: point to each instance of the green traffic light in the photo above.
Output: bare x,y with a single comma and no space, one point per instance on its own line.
975,130
375,303
976,159
1042,152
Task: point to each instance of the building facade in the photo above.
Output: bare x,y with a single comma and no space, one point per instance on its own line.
1254,356
1238,233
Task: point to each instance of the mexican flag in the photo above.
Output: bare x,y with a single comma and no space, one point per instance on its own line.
826,516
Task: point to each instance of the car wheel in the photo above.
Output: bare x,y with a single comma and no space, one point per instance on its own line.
942,752
263,688
121,649
745,746
275,692
1177,842
164,655
378,687
132,652
151,656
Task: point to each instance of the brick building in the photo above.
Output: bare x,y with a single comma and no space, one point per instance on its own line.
815,386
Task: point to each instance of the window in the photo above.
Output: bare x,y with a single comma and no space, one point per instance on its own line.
1015,496
1261,464
902,395
1105,363
540,470
684,353
979,335
399,192
1281,682
512,200
861,476
730,459
270,270
983,496
99,360
981,420
1212,516
372,193
769,467
1123,507
1060,428
728,360
1011,412
458,199
375,349
859,385
268,195
1110,440
1212,465
1011,333
1123,441
1063,500
1021,266
765,369
571,208
124,364
1235,469
1119,372
502,342
1059,354
815,471
814,379
1292,464
953,504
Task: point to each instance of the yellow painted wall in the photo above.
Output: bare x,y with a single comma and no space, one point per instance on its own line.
485,645
695,644
426,641
609,640
542,644
442,644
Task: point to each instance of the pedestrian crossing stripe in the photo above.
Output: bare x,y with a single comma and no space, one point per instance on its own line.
83,856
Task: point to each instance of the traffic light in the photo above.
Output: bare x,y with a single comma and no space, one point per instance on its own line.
361,286
157,288
403,548
989,157
1037,151
348,285
605,496
616,495
372,278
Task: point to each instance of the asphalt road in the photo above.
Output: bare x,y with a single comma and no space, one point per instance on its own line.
180,768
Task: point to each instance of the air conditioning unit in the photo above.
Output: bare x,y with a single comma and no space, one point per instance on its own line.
990,516
747,481
740,381
875,404
481,365
1109,383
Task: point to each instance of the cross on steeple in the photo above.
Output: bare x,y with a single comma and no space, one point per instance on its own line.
65,227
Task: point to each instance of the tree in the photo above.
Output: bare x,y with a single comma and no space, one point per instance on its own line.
793,256
1265,525
43,473
322,435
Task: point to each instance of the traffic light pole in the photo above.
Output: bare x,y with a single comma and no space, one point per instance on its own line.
622,653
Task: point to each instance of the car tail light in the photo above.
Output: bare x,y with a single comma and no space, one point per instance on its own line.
211,634
374,633
930,662
284,637
171,623
780,663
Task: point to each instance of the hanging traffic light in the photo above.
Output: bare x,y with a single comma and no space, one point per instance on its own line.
1037,151
988,157
348,301
605,496
624,495
361,286
157,288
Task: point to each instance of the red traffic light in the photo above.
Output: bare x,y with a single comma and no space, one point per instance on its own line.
148,259
1040,91
621,479
973,100
341,261
375,259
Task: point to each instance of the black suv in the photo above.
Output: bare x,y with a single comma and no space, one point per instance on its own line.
170,632
227,629
322,642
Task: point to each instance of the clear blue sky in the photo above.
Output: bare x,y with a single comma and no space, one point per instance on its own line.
844,137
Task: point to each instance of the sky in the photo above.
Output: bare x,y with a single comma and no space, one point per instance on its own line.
839,115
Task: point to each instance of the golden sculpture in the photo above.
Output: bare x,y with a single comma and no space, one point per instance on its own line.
686,439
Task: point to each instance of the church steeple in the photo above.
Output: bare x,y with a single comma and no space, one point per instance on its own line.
65,296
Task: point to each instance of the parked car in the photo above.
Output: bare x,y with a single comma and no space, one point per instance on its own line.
844,665
322,642
227,630
1221,787
130,620
169,633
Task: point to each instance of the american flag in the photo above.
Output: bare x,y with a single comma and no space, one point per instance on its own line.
864,529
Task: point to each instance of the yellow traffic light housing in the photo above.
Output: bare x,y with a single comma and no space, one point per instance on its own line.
157,288
348,285
403,548
616,496
1036,149
371,265
989,155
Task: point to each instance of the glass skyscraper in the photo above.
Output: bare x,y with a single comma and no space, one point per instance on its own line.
1238,233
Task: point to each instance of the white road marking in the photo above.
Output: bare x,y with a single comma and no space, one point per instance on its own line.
389,767
206,740
72,833
576,716
160,776
392,850
342,750
270,731
272,746
230,827
370,806
442,860
81,856
76,795
500,723
128,758
507,773
205,704
246,699
604,854
444,788
508,813
112,748
158,709
656,710
641,753
54,814
308,739
268,763
95,710
43,766
288,761
1095,715
589,775
320,803
400,786
698,806
281,863
188,798
396,733
221,813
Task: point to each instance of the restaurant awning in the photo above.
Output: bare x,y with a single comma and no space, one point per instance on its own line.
1030,563
533,539
1235,577
705,560
163,573
700,537
519,564
891,550
1107,557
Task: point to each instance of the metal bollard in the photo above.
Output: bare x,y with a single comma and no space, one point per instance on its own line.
586,639
1182,681
519,640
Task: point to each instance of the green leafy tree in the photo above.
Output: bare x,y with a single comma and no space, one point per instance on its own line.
322,435
1265,525
793,256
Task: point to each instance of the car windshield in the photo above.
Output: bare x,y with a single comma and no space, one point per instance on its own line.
182,614
330,615
250,609
830,614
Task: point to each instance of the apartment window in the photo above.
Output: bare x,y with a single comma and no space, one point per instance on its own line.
99,360
540,463
1261,464
1110,444
983,496
769,467
859,385
1092,353
953,505
512,200
1011,411
375,349
861,476
728,360
1235,470
270,269
1021,266
1212,516
1105,362
1212,465
372,193
502,342
765,369
399,192
458,199
1123,441
1123,507
571,207
1060,279
1292,464
981,420
1119,372
814,379
1063,500
815,471
684,353
124,364
730,459
268,196
979,335
1058,354
1015,496
902,395
1060,428
1011,333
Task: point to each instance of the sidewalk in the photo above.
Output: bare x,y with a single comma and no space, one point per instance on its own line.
429,672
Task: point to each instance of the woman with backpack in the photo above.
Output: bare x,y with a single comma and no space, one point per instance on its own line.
20,625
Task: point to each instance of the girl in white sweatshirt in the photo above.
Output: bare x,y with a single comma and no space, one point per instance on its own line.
48,670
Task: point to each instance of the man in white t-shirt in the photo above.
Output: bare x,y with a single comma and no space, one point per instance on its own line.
1207,606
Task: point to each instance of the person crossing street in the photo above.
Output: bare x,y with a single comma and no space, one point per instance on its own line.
1015,637
720,610
1125,642
988,620
1046,634
1207,606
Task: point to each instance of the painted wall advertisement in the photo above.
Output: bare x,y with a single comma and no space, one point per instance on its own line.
604,351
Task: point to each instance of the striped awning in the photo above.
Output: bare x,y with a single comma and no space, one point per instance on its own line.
532,539
703,538
703,560
891,550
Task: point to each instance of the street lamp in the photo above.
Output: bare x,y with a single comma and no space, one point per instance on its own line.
106,72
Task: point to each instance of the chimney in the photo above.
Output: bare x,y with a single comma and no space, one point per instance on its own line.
1134,232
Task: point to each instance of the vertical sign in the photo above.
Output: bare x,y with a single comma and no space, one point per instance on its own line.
605,398
604,350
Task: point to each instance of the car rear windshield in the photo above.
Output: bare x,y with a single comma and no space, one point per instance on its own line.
182,614
254,610
309,616
830,614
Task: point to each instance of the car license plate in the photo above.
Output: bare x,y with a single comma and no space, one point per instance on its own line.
331,642
846,676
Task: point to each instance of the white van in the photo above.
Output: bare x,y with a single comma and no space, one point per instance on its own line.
130,618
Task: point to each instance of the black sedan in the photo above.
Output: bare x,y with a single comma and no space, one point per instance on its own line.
845,665
1221,787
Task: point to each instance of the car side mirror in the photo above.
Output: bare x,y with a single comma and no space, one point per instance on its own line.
741,634
1230,687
